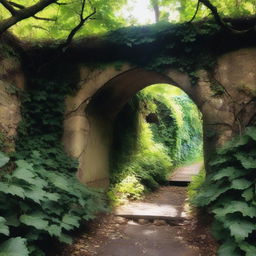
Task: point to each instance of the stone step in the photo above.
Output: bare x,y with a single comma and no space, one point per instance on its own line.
151,211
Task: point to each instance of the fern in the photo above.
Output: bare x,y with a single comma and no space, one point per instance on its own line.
229,193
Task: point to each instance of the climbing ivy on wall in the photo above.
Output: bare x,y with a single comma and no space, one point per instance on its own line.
179,127
186,46
40,197
229,194
42,125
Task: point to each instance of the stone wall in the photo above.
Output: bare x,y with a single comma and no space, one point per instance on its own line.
12,80
86,137
226,96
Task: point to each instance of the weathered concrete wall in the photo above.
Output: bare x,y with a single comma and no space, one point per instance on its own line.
225,97
88,138
11,81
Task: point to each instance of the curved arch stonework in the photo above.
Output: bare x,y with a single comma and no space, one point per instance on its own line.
224,96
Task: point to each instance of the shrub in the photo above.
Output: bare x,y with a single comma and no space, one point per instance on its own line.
129,188
229,194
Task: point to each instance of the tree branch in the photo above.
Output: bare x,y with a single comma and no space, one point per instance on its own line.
35,17
197,9
77,27
23,13
16,5
43,18
61,3
8,6
62,47
219,20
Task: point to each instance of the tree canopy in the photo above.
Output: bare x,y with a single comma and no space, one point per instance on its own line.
56,19
60,17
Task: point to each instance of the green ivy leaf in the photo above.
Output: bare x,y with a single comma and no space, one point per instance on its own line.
34,250
228,248
52,196
65,239
218,230
218,160
14,247
229,172
59,181
240,184
246,161
235,206
248,194
12,189
52,207
54,230
36,194
248,248
239,228
71,220
3,159
24,164
232,145
205,197
4,229
251,131
23,174
35,220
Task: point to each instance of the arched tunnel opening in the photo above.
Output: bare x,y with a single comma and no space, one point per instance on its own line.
140,135
155,133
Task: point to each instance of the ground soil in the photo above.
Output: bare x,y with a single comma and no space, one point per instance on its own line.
110,235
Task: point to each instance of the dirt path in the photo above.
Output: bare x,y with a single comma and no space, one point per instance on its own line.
117,236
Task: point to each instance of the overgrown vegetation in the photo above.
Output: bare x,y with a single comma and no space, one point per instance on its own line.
138,163
229,194
40,197
37,204
195,184
229,190
148,140
179,127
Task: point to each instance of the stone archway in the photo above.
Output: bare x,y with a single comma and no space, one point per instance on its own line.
101,111
225,96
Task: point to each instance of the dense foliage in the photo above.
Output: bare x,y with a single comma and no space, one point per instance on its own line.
195,185
229,194
150,139
138,163
184,10
179,128
40,197
37,204
229,191
60,19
